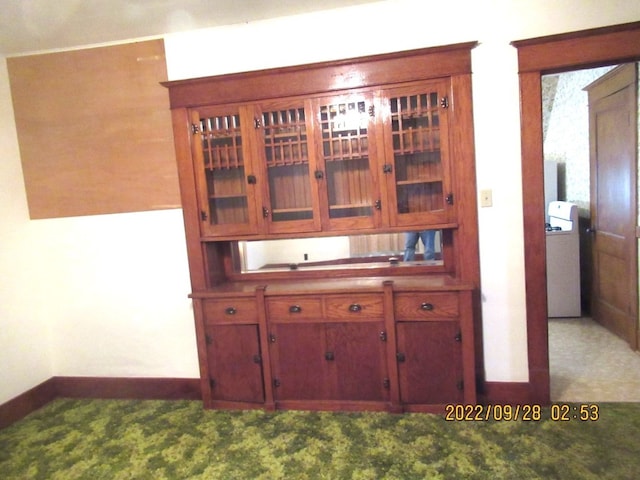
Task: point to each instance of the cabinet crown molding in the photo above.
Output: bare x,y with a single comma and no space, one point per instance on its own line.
331,76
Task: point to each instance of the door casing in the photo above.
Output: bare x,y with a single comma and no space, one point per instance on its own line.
536,57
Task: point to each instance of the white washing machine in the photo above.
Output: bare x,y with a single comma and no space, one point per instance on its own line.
563,260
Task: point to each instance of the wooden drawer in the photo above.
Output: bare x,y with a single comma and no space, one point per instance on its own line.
294,307
425,305
232,310
367,306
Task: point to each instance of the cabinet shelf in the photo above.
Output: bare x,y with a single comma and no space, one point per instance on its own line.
419,181
414,151
346,158
349,206
229,196
292,210
271,163
285,137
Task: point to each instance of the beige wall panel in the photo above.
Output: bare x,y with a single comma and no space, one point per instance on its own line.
94,129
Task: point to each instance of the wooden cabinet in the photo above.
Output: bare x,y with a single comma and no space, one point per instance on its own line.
233,363
430,363
328,348
434,334
389,344
225,199
416,154
254,169
376,145
346,134
354,161
286,167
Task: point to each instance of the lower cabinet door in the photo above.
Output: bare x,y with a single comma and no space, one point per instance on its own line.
329,361
358,361
299,367
235,363
430,362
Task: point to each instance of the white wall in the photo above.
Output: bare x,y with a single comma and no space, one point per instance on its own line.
106,295
25,334
567,137
89,296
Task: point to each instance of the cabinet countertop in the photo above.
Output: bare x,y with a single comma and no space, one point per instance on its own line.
334,286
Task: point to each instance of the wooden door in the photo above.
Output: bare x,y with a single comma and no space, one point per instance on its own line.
225,178
298,361
416,150
613,152
285,147
345,139
430,362
356,360
235,363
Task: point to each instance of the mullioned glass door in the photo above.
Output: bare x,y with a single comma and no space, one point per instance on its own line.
417,155
347,146
226,183
290,202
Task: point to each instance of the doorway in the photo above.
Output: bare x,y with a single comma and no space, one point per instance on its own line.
587,361
538,56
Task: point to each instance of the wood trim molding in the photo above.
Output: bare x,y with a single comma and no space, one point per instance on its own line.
587,48
575,50
322,77
134,388
30,401
98,387
506,393
175,389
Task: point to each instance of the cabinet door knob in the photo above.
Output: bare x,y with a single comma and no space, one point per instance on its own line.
230,310
354,307
400,357
295,309
426,306
329,356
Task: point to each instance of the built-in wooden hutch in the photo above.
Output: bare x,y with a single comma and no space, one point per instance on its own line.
280,168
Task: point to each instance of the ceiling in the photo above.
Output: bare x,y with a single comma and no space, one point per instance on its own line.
28,26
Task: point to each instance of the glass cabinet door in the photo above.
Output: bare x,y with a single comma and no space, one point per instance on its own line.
416,141
290,202
347,146
225,182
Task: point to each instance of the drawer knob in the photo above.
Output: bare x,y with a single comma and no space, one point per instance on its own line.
295,309
426,306
354,307
329,356
230,311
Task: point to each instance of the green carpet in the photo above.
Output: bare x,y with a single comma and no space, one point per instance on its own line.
121,439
